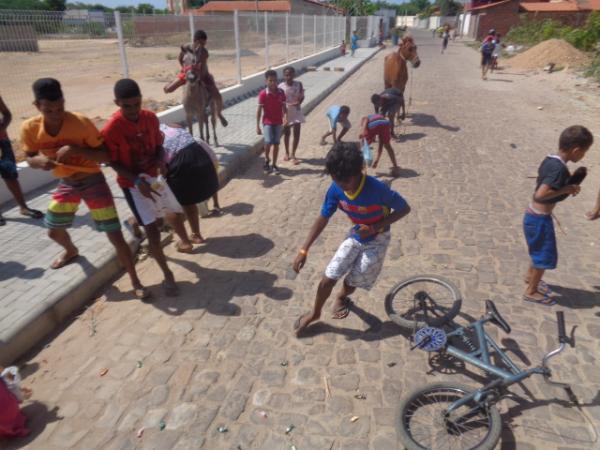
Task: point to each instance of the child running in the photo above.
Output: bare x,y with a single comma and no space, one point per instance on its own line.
70,145
8,168
272,110
337,114
354,42
552,186
200,68
372,207
376,126
294,95
134,141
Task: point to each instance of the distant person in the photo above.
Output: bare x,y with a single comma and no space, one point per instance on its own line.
552,187
337,114
445,38
294,96
496,53
8,168
70,145
272,114
487,49
343,48
354,42
372,207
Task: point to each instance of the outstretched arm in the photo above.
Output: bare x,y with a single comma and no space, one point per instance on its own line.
313,234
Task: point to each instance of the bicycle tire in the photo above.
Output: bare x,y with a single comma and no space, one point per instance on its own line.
404,319
426,396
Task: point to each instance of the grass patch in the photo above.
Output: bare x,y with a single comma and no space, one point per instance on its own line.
593,70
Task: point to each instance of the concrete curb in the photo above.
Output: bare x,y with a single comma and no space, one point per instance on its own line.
51,313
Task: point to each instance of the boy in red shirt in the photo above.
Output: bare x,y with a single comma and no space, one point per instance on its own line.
271,106
134,141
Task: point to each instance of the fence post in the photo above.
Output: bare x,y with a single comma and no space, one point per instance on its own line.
324,31
314,34
238,50
287,37
332,31
119,25
266,40
302,37
192,30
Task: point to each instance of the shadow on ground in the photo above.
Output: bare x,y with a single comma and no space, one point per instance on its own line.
428,120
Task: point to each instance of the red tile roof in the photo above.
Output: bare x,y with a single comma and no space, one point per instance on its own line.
562,6
488,6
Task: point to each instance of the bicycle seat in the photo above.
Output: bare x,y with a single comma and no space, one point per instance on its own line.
495,316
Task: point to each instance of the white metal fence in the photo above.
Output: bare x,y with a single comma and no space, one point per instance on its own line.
88,52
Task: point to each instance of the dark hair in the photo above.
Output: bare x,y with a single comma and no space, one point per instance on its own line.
344,160
270,73
47,89
290,69
345,109
576,136
376,99
126,88
200,35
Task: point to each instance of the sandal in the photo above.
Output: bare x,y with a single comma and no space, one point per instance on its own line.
343,311
61,261
197,238
546,301
181,248
215,212
543,288
297,328
32,213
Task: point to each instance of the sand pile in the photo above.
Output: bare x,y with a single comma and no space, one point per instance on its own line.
556,51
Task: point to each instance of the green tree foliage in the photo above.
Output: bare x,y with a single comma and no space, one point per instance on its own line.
144,8
28,5
56,5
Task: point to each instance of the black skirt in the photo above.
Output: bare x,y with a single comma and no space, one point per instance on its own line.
192,175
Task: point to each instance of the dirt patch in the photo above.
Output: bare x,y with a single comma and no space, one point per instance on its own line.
556,51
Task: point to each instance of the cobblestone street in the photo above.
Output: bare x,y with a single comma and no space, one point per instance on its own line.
223,353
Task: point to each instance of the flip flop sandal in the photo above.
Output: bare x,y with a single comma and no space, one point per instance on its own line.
60,262
343,311
33,213
546,301
197,239
543,288
181,249
297,323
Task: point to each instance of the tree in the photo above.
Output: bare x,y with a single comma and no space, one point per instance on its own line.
56,5
145,8
26,5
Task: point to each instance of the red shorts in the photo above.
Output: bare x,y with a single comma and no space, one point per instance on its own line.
383,132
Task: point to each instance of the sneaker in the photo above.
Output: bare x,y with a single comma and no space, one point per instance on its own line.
276,170
267,167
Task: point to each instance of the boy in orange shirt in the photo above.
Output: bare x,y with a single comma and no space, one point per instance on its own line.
70,145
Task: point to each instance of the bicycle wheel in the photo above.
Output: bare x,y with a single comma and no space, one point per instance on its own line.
423,300
421,422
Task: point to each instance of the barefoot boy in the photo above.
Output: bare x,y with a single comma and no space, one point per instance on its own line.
551,187
134,142
294,96
337,114
376,126
8,168
272,109
71,146
372,207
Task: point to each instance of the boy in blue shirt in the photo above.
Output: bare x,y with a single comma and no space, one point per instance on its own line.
337,114
372,207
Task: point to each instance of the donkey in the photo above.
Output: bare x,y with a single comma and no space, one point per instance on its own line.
395,70
197,100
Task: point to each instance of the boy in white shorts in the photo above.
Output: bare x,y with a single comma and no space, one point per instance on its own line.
134,141
372,206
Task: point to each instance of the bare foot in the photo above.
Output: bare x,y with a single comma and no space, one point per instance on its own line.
197,238
66,258
303,321
286,158
592,215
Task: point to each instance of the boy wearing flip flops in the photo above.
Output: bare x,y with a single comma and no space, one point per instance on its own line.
70,145
372,206
552,187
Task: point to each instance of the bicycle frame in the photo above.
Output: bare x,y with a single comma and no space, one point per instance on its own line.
480,358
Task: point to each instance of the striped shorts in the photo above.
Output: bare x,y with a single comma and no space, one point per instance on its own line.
96,194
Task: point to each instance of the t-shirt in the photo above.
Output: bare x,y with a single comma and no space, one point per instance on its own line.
293,93
134,145
376,120
334,114
487,47
368,205
272,103
554,173
76,130
175,139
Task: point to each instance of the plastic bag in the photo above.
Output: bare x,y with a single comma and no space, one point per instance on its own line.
11,377
367,153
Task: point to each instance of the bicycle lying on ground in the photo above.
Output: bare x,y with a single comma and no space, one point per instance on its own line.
449,415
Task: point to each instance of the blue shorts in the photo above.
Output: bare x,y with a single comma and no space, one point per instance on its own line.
541,240
272,134
8,166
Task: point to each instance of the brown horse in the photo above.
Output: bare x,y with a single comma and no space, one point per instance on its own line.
395,71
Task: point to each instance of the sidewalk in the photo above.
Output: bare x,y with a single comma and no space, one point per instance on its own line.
34,299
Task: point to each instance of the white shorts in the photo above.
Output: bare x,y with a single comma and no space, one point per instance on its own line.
361,263
146,210
294,114
333,125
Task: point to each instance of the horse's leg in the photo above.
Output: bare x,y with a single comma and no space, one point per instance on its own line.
213,120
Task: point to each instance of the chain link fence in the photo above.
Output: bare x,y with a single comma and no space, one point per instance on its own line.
89,51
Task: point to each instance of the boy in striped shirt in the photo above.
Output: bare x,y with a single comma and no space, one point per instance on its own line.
372,207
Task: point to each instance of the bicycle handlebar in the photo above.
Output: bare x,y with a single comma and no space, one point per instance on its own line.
562,334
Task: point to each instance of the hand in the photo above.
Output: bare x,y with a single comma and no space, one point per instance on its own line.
41,162
146,189
299,262
285,122
64,152
258,130
572,189
364,231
